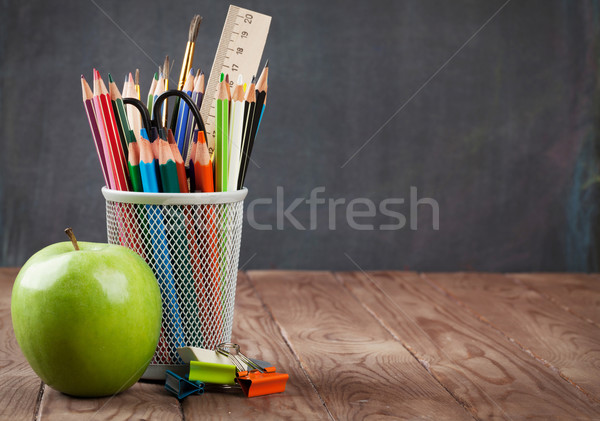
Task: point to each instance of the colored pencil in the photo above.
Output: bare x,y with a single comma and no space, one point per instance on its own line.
168,168
158,91
150,100
162,257
147,165
261,96
190,162
102,129
120,113
261,86
115,148
165,107
221,142
133,114
89,110
181,176
203,169
134,167
235,134
182,116
137,83
249,109
197,95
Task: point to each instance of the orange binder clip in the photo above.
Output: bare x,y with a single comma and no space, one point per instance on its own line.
255,382
259,383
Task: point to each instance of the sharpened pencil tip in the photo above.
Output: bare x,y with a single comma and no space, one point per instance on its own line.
110,78
253,79
267,63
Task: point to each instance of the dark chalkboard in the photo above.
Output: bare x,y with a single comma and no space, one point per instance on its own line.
430,135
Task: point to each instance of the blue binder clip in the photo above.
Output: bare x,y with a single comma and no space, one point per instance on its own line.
182,387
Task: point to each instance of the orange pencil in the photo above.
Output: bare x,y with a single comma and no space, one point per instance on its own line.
203,170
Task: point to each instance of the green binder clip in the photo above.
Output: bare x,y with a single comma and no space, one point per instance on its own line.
212,372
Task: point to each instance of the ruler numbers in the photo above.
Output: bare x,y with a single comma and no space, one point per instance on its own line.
239,52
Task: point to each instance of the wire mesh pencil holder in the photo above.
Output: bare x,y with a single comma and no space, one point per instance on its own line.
192,243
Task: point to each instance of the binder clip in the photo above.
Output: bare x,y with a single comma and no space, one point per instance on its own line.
212,372
182,387
207,366
252,378
190,353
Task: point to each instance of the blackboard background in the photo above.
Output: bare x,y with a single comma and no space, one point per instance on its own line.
490,108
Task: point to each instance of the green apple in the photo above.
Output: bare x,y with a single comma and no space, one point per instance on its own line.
87,316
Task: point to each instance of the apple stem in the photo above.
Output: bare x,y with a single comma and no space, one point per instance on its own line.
69,232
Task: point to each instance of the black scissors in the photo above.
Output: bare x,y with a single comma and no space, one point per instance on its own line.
155,121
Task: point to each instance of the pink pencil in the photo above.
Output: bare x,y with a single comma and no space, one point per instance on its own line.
89,110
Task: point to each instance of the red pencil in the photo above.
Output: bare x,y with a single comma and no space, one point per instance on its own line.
114,143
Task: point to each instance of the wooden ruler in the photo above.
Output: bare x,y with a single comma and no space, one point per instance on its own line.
240,50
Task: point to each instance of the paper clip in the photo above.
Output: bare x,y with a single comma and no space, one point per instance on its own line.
257,381
182,387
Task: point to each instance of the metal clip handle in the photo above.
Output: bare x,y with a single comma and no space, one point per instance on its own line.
232,351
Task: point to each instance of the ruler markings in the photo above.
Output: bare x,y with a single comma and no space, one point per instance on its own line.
248,40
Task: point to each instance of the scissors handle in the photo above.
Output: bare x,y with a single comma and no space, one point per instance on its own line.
186,98
142,109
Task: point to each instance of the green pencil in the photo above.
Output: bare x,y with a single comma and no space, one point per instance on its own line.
221,142
134,166
167,167
120,115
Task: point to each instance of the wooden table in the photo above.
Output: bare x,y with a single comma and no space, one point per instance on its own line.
373,345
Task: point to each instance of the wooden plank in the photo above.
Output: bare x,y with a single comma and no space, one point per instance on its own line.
19,385
259,337
491,376
555,337
575,292
142,401
357,367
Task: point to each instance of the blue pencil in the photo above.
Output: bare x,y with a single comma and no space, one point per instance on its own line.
163,266
197,95
182,117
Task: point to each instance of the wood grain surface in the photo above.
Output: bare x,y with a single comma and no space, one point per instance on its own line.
357,367
19,385
575,292
143,401
377,345
490,376
557,338
259,337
